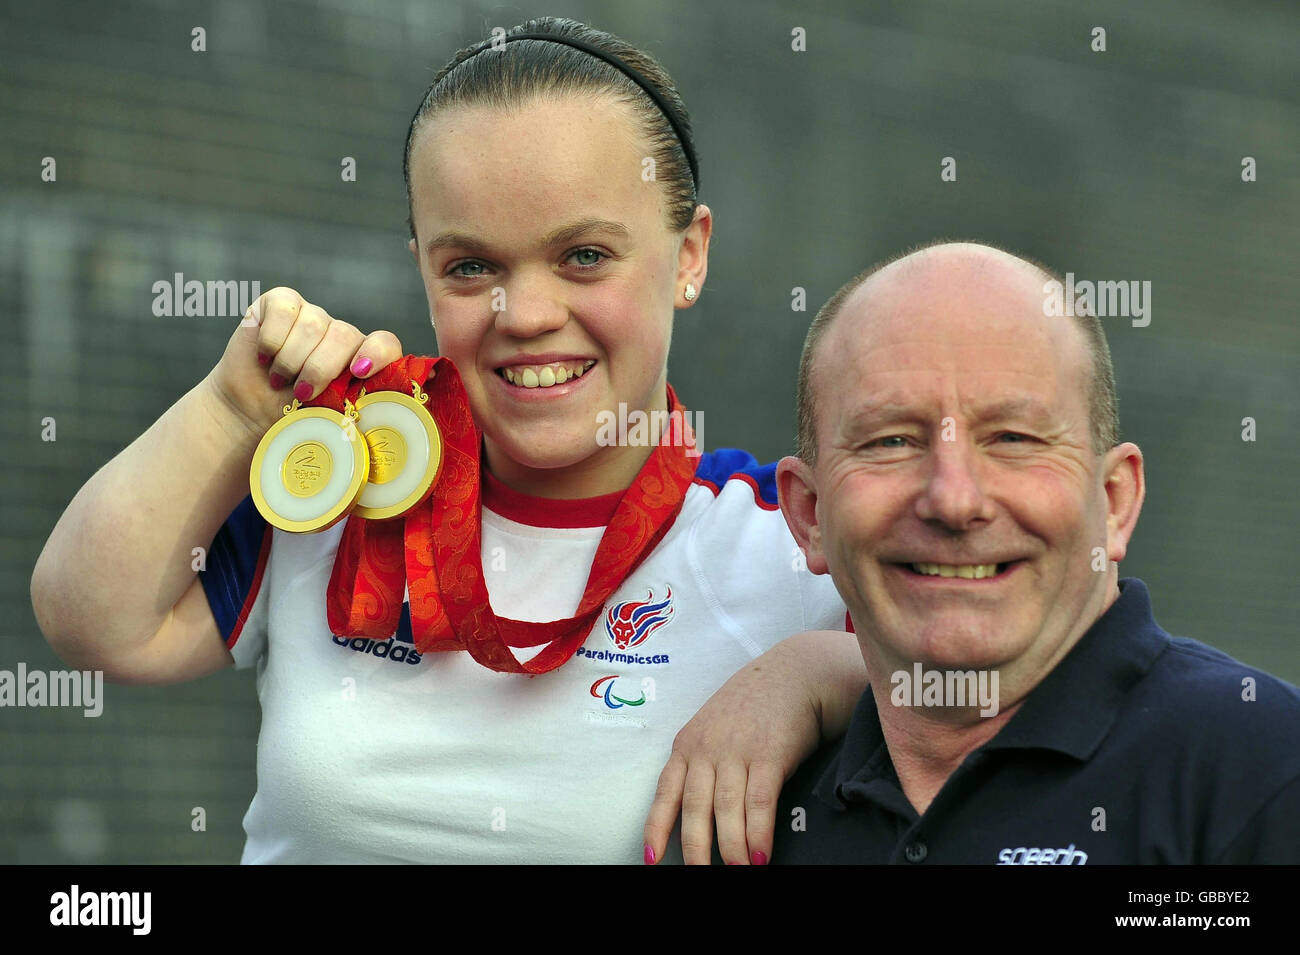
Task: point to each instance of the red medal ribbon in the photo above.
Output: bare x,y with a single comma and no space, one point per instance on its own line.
364,598
442,539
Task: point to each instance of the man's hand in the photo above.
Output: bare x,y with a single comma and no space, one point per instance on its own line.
732,758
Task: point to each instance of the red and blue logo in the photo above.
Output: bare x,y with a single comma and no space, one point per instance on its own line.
630,623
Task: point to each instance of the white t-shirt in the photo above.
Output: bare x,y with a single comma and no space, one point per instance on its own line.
370,752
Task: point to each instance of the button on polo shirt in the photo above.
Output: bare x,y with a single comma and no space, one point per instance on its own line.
1138,747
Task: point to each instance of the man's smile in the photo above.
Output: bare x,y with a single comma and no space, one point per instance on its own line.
944,573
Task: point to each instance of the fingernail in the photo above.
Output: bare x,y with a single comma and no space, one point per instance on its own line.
758,858
361,366
263,359
649,856
303,391
276,381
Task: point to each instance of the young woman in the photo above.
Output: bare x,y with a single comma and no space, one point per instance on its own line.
555,223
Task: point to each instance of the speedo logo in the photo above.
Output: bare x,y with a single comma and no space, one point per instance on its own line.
399,648
1023,856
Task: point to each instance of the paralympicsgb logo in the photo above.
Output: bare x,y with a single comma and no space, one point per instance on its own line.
630,623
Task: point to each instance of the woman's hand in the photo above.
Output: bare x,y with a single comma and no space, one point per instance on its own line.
731,760
286,347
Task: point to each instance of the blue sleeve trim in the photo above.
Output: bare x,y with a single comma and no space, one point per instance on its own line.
718,467
232,563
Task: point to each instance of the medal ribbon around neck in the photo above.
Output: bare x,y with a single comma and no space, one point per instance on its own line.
437,545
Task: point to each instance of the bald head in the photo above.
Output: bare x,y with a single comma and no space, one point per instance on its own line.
952,281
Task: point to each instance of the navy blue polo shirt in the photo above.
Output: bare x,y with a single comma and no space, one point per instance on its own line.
1138,747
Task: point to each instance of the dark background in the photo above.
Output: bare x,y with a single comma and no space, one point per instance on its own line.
225,164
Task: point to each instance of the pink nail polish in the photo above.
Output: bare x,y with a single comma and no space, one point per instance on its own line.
276,381
758,858
361,366
649,856
263,359
303,391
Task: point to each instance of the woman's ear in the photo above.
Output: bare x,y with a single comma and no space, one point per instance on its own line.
693,256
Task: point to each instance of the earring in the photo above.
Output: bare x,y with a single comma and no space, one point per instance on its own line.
690,292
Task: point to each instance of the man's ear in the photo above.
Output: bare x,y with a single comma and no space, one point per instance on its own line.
796,489
1126,488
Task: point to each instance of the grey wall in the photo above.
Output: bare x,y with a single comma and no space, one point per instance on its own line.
225,164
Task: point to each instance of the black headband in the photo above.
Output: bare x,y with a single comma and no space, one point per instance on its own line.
628,71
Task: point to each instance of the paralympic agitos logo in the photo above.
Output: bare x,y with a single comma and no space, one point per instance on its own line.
612,700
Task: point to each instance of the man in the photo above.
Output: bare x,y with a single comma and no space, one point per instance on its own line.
960,479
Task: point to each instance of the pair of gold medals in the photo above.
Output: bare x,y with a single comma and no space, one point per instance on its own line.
315,466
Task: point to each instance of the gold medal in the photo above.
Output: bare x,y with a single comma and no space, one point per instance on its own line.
310,468
405,451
